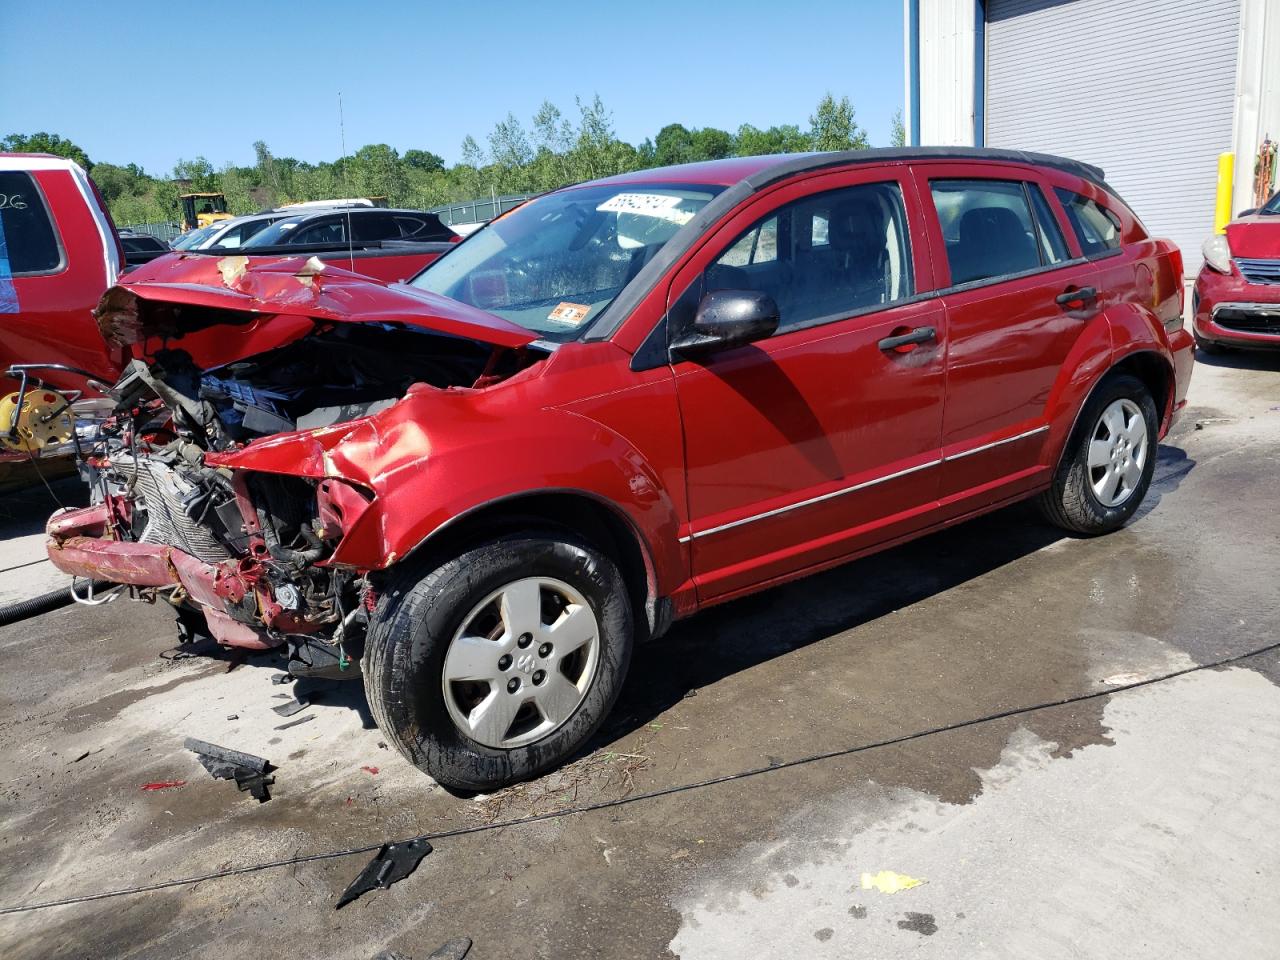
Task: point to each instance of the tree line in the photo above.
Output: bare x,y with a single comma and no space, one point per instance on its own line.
551,151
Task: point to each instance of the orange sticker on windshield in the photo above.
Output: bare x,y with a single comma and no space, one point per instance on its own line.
570,314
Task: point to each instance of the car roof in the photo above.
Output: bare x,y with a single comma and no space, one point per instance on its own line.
757,172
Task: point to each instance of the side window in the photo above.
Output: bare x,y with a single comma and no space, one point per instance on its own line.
230,240
28,244
326,231
1053,246
375,226
827,255
987,228
1096,227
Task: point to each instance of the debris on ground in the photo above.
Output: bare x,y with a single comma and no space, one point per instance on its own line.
251,773
164,785
887,881
294,723
87,753
282,678
233,716
370,770
292,707
392,863
452,950
606,775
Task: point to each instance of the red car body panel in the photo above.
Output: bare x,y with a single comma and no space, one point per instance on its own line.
756,464
1257,324
54,322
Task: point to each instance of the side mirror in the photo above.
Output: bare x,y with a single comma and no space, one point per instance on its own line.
1247,213
728,318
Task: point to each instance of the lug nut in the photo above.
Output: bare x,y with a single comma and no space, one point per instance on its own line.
524,640
544,650
539,676
513,685
504,661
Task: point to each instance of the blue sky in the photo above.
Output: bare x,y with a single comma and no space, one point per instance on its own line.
117,80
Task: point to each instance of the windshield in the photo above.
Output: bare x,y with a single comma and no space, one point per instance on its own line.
278,232
554,264
187,240
1272,206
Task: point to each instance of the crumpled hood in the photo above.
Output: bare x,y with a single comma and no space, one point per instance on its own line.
1255,238
153,300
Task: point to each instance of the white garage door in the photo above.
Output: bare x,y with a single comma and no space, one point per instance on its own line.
1142,88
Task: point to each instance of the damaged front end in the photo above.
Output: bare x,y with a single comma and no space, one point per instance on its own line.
208,490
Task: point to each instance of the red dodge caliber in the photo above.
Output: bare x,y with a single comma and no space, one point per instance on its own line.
623,402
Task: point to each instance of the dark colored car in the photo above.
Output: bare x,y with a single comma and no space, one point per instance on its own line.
615,406
140,248
356,224
1236,301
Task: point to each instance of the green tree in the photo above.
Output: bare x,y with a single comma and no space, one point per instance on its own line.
376,171
198,174
897,132
45,143
423,160
672,145
832,126
753,142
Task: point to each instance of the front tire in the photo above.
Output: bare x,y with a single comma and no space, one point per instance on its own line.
1109,461
499,664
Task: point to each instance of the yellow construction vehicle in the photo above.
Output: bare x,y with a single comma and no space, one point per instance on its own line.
202,209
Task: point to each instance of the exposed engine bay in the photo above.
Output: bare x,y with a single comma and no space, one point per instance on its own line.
251,548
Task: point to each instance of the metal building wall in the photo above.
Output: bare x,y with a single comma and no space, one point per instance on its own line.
1145,89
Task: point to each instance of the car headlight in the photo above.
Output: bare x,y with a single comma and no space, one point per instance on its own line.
1217,253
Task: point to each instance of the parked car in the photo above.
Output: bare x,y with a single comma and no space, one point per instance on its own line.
58,254
620,404
140,248
235,233
357,225
1236,300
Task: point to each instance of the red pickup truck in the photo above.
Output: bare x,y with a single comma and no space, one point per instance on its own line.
59,252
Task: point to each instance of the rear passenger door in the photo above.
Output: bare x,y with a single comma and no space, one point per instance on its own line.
1005,261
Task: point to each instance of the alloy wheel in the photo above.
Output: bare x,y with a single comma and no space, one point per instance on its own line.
1118,452
521,662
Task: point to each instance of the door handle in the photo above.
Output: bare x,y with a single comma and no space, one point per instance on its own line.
910,338
1076,296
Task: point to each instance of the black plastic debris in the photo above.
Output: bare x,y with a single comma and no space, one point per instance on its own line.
251,774
282,678
453,950
393,862
294,723
292,707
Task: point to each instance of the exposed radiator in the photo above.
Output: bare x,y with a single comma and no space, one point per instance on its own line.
161,492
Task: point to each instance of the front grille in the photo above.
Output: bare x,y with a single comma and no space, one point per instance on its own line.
1249,317
161,492
1259,271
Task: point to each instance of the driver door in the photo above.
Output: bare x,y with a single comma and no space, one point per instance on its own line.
821,440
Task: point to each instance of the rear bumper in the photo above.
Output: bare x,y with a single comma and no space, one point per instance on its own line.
79,545
1231,311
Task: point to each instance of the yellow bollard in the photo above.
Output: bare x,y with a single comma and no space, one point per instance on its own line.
1226,181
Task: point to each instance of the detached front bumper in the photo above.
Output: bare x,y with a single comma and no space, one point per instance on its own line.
80,546
1231,311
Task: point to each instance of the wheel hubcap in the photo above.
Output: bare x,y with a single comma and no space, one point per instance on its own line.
1118,453
521,663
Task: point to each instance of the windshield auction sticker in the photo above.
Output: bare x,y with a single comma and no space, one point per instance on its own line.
570,314
663,206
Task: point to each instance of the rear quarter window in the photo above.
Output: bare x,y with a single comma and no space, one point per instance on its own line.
28,242
1096,227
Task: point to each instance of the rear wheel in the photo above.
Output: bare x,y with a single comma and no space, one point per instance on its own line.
1109,461
499,664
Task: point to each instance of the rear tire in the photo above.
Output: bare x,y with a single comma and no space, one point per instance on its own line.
477,692
1109,460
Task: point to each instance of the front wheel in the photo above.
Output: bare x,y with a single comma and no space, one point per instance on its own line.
499,664
1109,461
